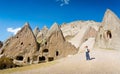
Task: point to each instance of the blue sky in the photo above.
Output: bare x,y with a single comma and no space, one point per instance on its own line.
14,13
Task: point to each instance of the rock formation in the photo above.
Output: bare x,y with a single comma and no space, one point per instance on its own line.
83,36
21,47
1,44
79,32
72,29
41,35
36,31
55,45
24,48
109,32
45,45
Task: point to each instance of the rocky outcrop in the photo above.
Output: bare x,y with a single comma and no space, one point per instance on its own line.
56,46
70,30
41,35
109,32
1,44
21,47
84,34
36,31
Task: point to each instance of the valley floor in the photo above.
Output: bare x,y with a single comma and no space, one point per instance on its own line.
103,62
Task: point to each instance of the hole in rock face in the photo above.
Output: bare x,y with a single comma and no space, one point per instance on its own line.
21,43
45,43
17,37
57,53
109,35
45,50
2,51
20,58
42,59
50,58
28,59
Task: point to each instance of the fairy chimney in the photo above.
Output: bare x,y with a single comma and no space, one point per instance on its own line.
109,32
56,45
21,47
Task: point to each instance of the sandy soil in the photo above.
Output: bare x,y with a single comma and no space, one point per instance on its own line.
103,62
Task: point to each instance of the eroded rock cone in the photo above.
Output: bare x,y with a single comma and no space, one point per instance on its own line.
109,32
56,45
22,46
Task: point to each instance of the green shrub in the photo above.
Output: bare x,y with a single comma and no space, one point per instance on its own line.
6,62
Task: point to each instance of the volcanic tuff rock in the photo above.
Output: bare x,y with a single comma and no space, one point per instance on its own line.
84,34
60,41
22,46
70,30
1,44
57,43
79,32
36,31
41,35
109,32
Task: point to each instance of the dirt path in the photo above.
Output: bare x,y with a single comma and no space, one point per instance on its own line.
104,62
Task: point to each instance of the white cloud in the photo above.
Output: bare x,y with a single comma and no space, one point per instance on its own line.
63,2
14,31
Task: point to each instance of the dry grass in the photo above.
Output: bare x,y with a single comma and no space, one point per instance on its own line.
25,68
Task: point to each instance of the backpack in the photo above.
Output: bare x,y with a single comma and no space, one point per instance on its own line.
88,50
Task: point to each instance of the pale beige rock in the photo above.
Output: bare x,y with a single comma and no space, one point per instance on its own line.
41,35
22,46
90,43
72,29
84,34
36,31
109,32
56,45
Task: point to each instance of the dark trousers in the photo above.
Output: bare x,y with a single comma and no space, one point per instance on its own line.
87,56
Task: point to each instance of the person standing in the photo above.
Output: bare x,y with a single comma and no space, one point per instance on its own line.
87,53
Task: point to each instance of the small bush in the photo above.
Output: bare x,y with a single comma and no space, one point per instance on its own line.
6,62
